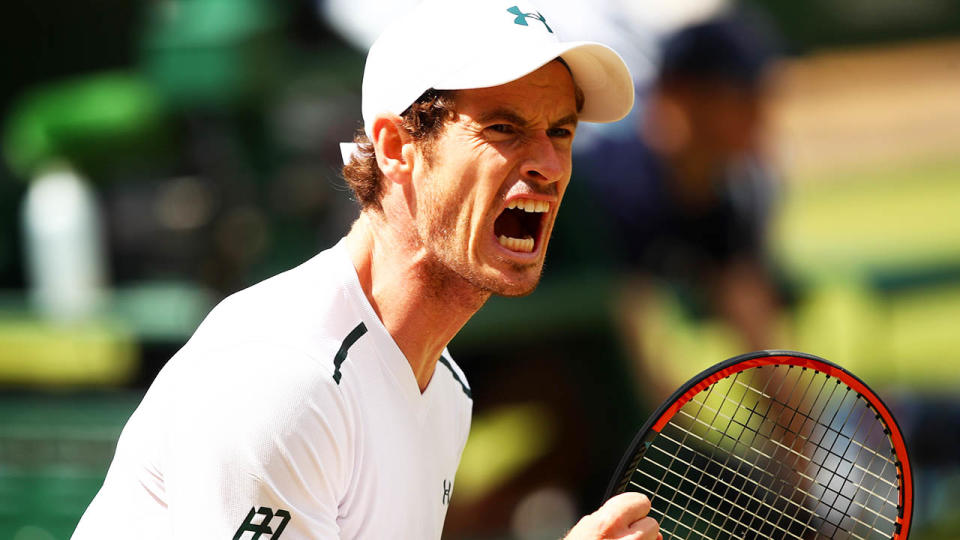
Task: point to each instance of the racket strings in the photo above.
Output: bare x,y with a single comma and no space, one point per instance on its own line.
660,514
752,409
838,455
800,436
725,466
728,485
773,476
821,478
842,451
716,414
864,413
689,465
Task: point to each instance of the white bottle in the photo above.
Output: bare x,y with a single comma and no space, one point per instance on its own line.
63,240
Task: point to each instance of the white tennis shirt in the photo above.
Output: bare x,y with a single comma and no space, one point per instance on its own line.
290,414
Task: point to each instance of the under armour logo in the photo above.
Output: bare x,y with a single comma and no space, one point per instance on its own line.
257,529
447,486
522,17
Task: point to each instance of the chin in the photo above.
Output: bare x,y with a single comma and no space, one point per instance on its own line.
516,293
519,282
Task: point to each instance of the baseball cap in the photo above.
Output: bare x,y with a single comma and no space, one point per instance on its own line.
465,44
739,47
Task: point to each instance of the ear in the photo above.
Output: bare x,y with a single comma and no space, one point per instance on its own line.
394,147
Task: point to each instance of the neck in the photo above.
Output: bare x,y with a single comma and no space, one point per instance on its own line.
421,308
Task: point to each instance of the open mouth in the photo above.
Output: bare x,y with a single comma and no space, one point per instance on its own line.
518,226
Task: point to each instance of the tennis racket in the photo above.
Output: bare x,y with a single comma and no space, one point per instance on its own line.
772,444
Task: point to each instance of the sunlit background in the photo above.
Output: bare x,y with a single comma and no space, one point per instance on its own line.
159,155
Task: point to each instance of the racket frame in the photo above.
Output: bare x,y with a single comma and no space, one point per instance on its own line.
662,415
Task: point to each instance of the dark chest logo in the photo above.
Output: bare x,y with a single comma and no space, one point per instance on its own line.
262,526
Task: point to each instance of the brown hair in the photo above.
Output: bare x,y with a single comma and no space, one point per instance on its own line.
423,120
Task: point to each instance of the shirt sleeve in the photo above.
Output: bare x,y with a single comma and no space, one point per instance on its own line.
258,442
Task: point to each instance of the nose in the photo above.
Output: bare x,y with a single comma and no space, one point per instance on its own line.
544,163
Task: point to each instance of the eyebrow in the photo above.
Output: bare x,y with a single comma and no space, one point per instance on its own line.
508,115
568,119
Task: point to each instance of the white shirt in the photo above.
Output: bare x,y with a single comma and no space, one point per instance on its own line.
291,413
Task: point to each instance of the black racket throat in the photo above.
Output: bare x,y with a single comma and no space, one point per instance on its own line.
772,444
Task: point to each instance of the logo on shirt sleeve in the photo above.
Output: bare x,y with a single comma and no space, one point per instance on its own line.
262,526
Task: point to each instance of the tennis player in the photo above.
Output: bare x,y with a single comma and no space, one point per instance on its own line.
322,403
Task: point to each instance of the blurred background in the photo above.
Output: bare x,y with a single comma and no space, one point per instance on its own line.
790,178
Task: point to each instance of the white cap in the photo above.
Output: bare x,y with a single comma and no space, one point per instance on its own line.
464,44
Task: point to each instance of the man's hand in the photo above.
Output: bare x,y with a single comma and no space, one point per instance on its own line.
623,517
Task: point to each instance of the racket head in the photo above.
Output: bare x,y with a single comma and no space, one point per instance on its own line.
870,490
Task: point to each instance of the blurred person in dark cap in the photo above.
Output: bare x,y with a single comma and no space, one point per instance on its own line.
688,193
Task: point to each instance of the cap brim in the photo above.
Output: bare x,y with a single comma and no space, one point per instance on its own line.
604,78
597,69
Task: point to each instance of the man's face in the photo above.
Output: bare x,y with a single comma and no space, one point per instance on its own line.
488,195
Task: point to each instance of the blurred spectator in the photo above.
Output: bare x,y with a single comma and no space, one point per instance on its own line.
688,192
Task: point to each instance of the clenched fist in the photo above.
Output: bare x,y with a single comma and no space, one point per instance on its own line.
623,517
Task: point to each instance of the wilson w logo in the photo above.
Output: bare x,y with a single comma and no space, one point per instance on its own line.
522,17
263,527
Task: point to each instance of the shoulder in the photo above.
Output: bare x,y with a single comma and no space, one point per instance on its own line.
304,306
257,375
263,425
285,295
257,400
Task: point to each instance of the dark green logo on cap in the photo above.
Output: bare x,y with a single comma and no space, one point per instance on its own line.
522,17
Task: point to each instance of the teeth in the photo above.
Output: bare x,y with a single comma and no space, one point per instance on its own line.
524,245
529,205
